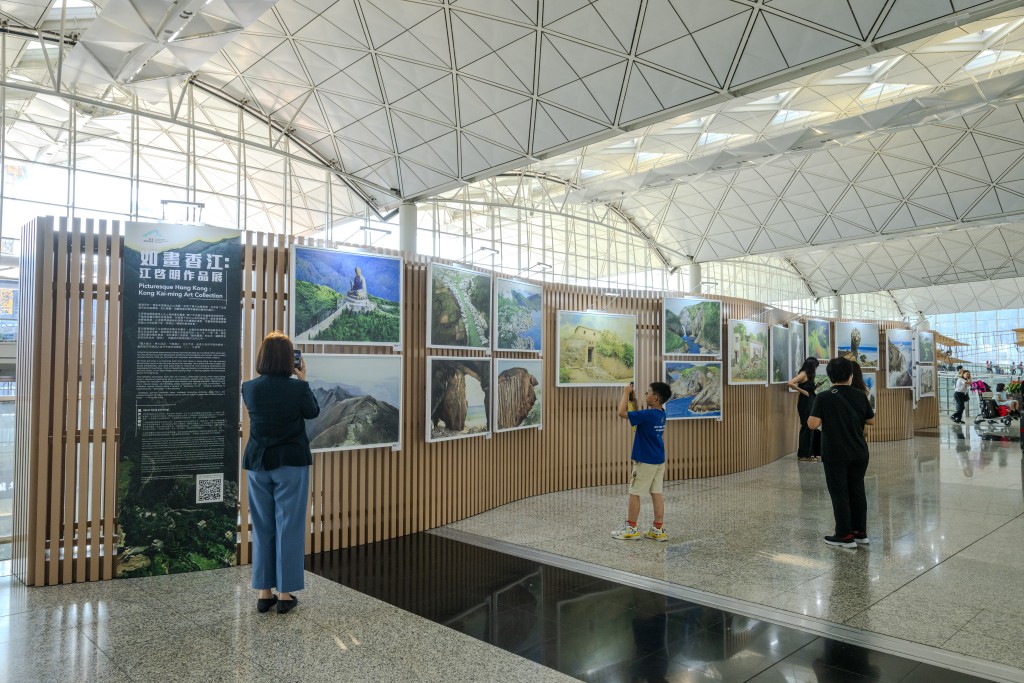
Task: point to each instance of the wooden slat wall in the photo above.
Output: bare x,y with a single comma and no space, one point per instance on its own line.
65,524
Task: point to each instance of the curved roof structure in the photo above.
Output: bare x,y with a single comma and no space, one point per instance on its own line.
874,144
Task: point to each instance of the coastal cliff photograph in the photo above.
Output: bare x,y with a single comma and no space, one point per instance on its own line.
518,316
899,371
346,297
696,389
518,390
360,400
459,398
458,308
693,327
858,342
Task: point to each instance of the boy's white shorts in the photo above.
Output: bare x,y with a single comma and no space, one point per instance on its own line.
646,478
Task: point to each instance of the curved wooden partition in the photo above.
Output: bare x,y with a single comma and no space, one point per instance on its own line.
65,519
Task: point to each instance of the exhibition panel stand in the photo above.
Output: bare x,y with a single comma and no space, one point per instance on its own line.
410,478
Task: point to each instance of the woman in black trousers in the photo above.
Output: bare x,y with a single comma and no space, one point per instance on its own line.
804,384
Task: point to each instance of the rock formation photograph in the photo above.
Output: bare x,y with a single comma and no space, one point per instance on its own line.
459,398
696,389
346,297
595,349
458,308
899,370
360,401
518,390
858,342
693,327
518,317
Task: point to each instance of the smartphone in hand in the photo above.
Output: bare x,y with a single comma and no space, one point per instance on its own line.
298,358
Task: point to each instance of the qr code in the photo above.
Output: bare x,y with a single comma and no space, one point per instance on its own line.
210,488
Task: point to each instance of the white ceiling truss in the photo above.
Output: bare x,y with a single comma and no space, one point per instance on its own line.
424,95
715,128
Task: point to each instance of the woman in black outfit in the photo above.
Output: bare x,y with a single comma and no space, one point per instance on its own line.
809,448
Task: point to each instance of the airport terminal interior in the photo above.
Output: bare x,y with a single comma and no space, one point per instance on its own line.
478,221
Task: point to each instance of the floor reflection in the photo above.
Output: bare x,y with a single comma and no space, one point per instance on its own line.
592,629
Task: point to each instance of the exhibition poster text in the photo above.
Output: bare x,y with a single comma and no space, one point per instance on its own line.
181,330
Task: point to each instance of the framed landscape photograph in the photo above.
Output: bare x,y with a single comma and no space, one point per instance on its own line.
458,398
595,349
819,339
517,385
796,348
899,369
748,352
692,327
871,382
458,308
925,381
345,297
858,342
517,317
696,389
926,347
780,354
821,380
360,399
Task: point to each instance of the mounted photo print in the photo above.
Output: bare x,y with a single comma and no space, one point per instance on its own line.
692,327
458,308
748,352
696,389
871,382
518,316
858,342
819,339
821,381
926,347
458,398
899,370
780,355
345,297
595,349
517,389
796,349
925,381
360,399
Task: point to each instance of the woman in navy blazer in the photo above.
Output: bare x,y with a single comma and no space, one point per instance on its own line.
277,458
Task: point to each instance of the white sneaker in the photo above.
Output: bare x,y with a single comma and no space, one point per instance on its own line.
626,533
656,534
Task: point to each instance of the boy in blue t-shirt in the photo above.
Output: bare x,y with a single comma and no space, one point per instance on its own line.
648,459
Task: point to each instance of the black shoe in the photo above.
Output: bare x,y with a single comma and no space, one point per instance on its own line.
263,605
861,538
841,541
285,605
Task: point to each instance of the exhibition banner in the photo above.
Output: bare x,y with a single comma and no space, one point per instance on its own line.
180,359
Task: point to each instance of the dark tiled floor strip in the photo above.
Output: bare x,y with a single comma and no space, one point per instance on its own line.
596,630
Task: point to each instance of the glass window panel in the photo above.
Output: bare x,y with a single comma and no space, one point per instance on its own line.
102,193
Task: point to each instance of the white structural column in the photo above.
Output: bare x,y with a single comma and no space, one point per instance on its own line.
407,227
837,306
696,279
922,322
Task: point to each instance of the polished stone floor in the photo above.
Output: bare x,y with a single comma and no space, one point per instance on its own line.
598,630
945,567
204,627
944,573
